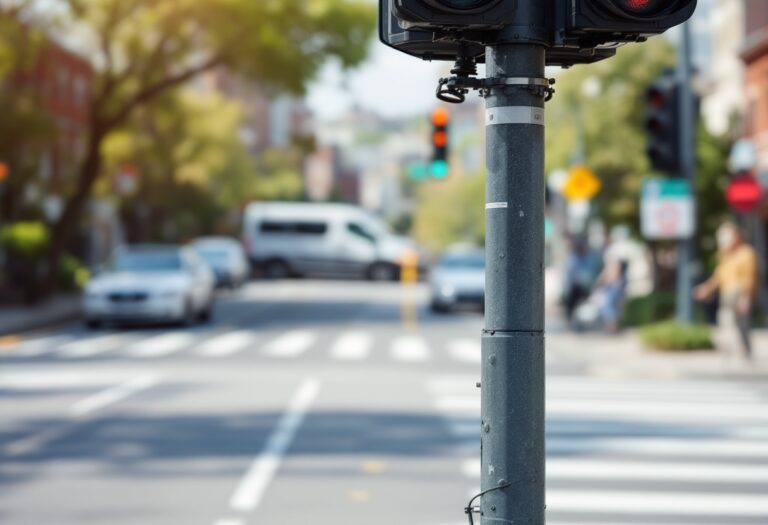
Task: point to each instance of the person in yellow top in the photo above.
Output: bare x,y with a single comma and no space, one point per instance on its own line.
736,279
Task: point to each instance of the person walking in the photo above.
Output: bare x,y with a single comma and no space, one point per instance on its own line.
735,277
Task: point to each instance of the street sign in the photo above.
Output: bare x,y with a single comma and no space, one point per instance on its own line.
582,184
744,193
666,209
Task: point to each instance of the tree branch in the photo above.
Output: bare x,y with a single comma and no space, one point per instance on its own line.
149,92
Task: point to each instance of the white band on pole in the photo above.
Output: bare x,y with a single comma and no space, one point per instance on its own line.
514,115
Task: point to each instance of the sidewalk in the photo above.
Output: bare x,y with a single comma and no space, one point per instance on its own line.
623,356
15,319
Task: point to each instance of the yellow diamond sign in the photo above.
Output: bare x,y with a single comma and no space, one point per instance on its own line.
582,184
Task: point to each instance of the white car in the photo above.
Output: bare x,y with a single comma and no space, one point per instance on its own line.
226,258
301,238
150,283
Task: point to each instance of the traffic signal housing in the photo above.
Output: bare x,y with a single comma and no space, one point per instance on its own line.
439,164
454,14
595,22
662,123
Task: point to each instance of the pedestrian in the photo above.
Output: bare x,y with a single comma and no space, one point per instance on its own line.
579,275
735,278
613,287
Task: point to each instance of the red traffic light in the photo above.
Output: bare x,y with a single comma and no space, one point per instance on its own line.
648,9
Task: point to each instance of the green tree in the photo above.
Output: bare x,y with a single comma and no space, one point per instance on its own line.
450,211
145,48
612,123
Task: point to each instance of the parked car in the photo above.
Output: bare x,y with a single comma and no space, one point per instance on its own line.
458,279
150,283
226,258
284,239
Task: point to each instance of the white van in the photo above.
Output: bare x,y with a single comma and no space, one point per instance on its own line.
287,238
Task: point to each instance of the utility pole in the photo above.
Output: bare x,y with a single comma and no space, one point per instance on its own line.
519,37
512,393
687,154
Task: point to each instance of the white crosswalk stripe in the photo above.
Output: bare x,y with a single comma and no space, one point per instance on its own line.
352,346
465,350
410,349
659,460
41,345
290,344
227,343
91,346
161,345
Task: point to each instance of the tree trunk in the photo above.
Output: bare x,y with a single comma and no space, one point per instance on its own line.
66,225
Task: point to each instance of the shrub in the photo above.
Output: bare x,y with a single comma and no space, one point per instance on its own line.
72,274
671,335
25,240
649,308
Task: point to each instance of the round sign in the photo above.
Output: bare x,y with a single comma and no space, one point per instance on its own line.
744,193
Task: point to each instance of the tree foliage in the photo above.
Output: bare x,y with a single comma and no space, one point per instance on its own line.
144,49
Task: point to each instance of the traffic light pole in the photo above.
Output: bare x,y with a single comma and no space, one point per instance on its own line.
687,153
512,388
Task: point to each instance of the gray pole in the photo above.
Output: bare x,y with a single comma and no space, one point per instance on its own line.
512,408
687,170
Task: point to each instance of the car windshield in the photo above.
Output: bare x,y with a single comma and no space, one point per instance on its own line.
147,261
474,261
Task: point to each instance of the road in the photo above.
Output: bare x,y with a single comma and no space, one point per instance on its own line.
345,403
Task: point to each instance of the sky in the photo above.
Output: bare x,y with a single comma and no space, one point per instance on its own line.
389,82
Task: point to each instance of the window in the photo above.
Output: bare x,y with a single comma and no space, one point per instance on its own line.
358,230
293,227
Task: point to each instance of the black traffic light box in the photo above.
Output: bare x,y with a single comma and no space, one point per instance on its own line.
575,31
662,123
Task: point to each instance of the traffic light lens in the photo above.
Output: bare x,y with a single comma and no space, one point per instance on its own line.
644,7
464,4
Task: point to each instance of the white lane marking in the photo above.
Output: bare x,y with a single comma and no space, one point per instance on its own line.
465,350
113,394
684,447
227,344
660,471
291,344
35,442
658,410
161,345
90,346
606,502
352,346
229,522
53,379
254,483
410,348
40,346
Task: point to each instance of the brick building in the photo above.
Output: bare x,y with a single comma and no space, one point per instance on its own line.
60,82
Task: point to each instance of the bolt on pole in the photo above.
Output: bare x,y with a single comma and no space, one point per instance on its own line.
512,392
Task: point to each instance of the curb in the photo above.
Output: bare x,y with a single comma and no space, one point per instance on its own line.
57,311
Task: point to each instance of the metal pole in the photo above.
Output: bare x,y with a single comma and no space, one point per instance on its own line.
512,408
687,171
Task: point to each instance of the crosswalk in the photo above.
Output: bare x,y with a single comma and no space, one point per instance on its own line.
347,346
630,451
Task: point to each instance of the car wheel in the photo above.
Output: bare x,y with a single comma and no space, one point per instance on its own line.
439,308
188,318
382,272
207,314
92,324
276,269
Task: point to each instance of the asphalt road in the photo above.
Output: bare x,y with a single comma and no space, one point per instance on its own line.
326,403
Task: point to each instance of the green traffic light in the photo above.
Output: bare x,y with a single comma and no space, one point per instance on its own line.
439,169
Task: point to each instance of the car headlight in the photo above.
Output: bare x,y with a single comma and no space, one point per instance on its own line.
447,290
